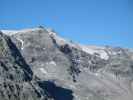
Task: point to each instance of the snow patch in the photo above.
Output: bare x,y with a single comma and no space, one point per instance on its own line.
44,48
51,63
93,49
22,43
51,33
13,32
72,86
43,70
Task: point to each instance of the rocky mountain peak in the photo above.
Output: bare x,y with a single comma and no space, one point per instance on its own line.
49,67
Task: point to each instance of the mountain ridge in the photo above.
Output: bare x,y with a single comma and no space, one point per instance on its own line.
76,71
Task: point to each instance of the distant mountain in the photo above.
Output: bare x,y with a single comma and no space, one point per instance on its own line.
37,64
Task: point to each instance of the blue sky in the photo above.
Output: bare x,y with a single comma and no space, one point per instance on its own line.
92,22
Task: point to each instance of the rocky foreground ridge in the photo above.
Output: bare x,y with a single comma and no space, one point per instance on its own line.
37,64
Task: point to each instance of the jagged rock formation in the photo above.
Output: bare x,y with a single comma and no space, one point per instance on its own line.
16,77
37,64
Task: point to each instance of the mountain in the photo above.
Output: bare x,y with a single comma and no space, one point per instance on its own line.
37,64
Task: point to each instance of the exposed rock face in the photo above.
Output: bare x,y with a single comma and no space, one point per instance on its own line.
36,64
16,77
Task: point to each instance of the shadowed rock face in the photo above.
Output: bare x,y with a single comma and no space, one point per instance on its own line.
57,92
37,64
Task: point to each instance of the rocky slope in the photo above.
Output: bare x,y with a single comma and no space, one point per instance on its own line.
37,64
